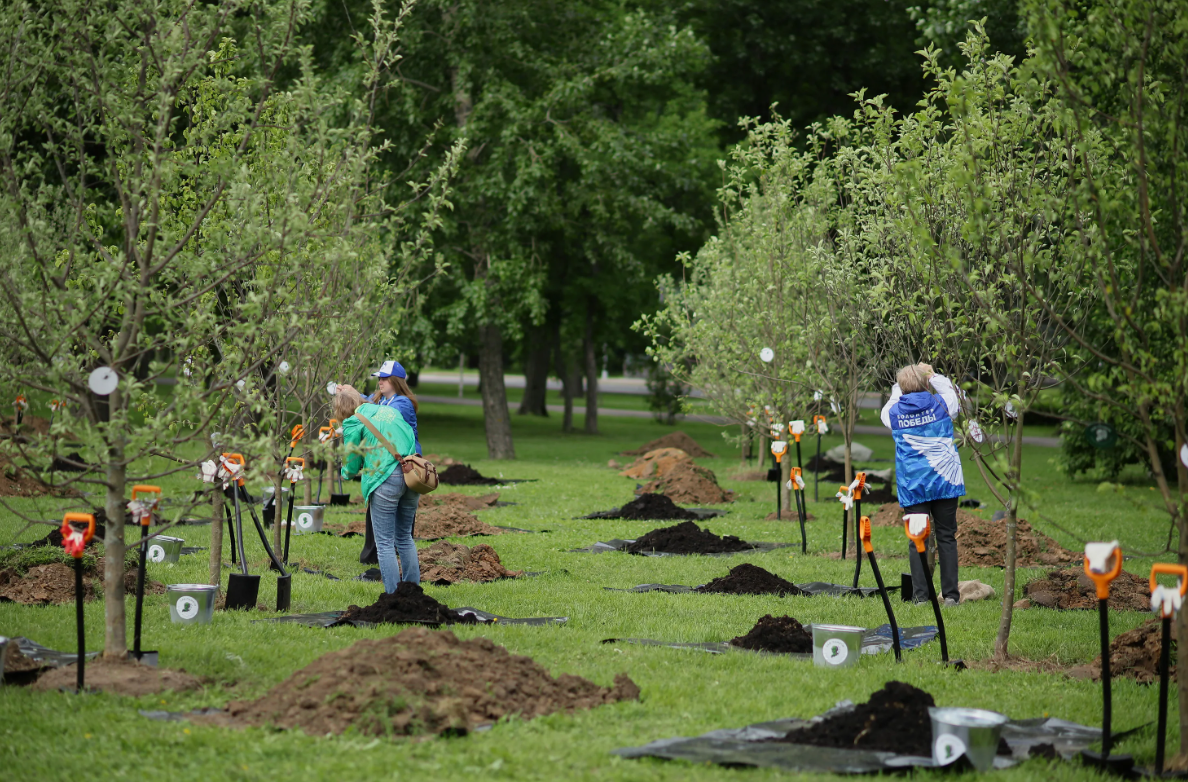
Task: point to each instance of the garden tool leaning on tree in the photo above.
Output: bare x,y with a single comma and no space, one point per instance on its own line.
142,513
75,540
864,534
1103,563
284,581
917,526
796,484
242,588
1166,602
294,468
778,449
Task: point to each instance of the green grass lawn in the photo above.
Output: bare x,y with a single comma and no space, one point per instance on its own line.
61,736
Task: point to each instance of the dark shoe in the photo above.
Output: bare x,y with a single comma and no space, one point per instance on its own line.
950,602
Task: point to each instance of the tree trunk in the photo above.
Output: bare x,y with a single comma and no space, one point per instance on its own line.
536,373
495,413
564,371
216,537
1015,472
115,640
745,446
591,356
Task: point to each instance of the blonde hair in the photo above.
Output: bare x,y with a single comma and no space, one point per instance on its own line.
912,379
345,402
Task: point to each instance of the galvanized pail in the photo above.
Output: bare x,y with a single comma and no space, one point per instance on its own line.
837,646
307,519
191,604
164,549
959,731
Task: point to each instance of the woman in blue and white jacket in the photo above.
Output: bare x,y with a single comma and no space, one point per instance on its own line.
928,473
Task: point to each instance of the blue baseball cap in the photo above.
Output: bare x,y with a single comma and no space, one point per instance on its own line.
390,369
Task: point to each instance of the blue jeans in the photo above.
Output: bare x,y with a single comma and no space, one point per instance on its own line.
393,512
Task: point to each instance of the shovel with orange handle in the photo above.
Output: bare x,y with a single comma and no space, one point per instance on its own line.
1103,563
778,449
918,526
75,540
242,588
860,479
796,483
1166,602
145,520
298,466
864,534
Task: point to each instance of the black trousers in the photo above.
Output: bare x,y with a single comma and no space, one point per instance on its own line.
368,555
944,533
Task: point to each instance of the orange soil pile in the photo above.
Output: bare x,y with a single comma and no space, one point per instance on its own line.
678,440
420,681
689,484
119,677
1072,589
448,563
656,464
450,521
463,501
54,584
982,543
1134,654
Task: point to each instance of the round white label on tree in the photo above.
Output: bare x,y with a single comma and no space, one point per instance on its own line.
947,749
156,554
767,354
103,381
187,607
1184,454
835,651
305,520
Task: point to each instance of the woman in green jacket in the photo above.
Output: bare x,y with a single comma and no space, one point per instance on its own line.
393,506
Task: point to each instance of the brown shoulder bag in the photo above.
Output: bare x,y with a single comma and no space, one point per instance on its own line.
419,473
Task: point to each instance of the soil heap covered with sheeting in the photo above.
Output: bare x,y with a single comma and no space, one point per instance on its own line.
407,605
1134,654
653,507
448,563
464,475
420,682
690,484
675,440
747,579
686,538
895,719
779,634
1072,589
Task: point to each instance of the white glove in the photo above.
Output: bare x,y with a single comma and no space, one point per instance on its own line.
208,471
141,508
293,472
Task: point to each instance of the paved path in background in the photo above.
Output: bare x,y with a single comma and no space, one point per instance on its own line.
610,412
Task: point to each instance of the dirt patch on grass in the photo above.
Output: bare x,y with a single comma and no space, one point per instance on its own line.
780,634
1134,654
449,521
53,584
686,538
748,579
895,719
1020,664
119,677
408,604
678,440
750,475
889,515
18,482
421,682
690,484
464,475
656,464
463,501
449,563
788,514
1071,589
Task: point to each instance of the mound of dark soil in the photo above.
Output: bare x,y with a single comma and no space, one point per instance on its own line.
449,563
464,475
878,496
1134,654
691,484
830,471
780,634
408,604
71,462
686,538
895,719
747,579
119,677
1072,589
675,440
654,507
420,682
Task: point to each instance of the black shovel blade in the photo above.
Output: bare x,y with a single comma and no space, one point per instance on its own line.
242,591
145,658
340,499
905,587
284,592
1122,765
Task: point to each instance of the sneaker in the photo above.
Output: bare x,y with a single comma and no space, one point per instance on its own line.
950,602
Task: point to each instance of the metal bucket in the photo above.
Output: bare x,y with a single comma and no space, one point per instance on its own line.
307,519
3,654
164,549
191,604
837,646
959,731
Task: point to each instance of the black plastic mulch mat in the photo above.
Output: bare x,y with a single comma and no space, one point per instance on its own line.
875,641
752,746
334,619
320,573
600,547
812,588
191,550
701,513
373,574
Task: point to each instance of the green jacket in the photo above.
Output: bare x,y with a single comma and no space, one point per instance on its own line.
369,457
